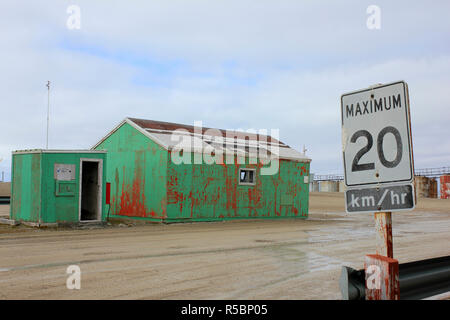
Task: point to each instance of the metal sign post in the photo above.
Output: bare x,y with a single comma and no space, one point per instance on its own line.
378,172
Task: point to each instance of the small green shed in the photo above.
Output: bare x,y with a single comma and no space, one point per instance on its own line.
58,186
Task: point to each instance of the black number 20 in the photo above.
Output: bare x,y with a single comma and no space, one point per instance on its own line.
356,166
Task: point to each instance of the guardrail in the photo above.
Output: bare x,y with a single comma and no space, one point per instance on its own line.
5,200
418,280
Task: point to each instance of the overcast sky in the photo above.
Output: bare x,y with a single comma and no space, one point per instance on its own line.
258,64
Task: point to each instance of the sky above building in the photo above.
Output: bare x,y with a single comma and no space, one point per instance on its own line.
243,64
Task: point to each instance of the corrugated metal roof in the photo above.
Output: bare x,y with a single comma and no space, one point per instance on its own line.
174,136
164,127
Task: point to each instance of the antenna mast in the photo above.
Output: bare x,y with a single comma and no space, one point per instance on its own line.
48,110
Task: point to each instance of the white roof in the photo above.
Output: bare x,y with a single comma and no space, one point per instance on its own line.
171,137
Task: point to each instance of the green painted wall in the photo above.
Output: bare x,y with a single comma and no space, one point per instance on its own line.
137,169
212,192
146,184
34,189
26,187
64,208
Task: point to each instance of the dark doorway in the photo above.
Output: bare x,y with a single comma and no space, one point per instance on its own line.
90,191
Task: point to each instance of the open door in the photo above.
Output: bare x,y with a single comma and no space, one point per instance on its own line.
90,189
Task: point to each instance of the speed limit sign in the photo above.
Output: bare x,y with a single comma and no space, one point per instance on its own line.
377,148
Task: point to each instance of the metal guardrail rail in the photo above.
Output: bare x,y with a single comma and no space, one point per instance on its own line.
418,280
428,172
5,200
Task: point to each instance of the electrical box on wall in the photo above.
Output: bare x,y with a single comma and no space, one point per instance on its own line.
64,172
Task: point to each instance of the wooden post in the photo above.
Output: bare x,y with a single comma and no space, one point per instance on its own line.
383,230
382,278
381,269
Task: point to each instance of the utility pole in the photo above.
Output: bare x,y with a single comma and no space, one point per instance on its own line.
48,110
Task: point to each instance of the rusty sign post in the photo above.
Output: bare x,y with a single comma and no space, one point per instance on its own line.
378,172
382,273
382,278
383,234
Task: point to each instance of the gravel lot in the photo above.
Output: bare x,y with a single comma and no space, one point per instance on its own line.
284,259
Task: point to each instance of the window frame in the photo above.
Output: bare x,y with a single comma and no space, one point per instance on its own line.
247,183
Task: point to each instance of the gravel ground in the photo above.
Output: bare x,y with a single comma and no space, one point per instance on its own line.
283,259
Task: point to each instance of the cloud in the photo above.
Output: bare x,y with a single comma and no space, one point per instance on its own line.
231,64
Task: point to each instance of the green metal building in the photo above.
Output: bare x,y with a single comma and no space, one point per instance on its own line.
149,181
58,186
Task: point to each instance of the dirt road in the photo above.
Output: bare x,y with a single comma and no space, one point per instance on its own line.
287,259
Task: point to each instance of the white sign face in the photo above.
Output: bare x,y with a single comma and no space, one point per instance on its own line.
376,136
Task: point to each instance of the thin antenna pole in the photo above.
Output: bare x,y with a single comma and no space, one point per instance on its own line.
48,111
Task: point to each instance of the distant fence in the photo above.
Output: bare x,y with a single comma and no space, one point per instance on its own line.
428,172
328,177
432,172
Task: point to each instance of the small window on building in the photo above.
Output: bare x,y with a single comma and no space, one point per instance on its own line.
247,176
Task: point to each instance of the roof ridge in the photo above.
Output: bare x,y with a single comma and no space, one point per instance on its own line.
171,126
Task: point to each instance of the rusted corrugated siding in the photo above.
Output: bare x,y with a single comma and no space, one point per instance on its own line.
211,192
146,184
137,173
